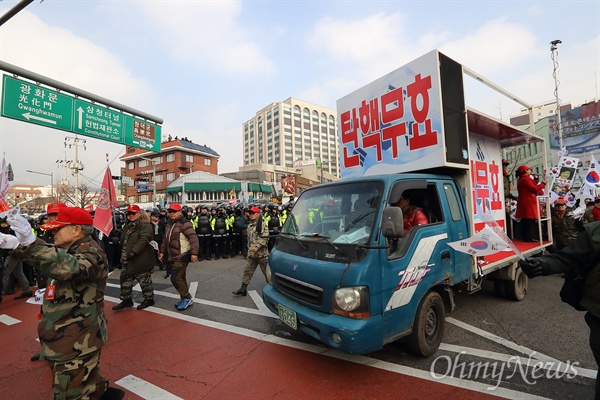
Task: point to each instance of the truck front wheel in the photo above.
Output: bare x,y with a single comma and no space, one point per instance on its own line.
428,327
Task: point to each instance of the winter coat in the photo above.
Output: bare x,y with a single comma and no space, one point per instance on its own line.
527,202
136,238
584,250
181,241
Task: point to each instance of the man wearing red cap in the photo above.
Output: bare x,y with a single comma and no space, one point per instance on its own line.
527,208
563,225
180,246
72,328
137,258
257,249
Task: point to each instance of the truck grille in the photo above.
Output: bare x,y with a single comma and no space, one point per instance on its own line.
300,290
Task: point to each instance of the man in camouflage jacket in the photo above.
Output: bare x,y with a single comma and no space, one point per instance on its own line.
563,225
72,327
258,251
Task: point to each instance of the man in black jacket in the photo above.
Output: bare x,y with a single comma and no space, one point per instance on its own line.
584,251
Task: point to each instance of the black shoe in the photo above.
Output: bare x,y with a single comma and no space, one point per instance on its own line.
112,394
145,304
241,291
24,295
35,357
122,305
167,275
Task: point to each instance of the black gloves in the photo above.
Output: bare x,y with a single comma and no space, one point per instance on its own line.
532,267
130,255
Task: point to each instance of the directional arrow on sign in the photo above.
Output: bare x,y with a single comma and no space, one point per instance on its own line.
80,119
28,116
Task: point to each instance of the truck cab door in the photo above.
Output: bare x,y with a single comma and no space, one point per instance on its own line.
421,259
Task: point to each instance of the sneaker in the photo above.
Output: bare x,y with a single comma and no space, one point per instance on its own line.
185,303
122,305
145,304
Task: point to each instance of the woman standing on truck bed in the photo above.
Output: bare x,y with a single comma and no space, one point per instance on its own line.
527,208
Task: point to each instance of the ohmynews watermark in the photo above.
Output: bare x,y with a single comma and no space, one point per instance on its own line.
530,371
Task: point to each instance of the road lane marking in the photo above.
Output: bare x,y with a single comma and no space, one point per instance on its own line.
7,320
260,304
504,342
145,390
363,360
492,355
210,303
193,288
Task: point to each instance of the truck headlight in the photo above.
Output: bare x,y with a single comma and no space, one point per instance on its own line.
268,274
352,302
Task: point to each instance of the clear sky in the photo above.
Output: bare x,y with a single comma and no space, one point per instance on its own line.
206,67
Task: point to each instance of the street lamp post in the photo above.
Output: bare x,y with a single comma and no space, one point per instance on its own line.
51,175
153,179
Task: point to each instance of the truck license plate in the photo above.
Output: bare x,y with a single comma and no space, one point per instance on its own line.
288,316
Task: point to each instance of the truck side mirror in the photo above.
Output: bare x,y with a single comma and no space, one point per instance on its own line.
392,225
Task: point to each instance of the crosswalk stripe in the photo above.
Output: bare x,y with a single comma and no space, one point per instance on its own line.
6,320
144,389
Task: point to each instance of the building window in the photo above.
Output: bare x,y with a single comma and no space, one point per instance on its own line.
158,178
189,158
142,163
157,160
131,165
170,176
207,162
170,157
131,199
143,198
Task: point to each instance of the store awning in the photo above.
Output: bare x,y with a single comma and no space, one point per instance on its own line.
207,187
257,187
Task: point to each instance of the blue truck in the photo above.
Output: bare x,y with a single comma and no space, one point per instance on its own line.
346,272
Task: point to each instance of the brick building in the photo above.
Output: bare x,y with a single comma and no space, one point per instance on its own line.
176,158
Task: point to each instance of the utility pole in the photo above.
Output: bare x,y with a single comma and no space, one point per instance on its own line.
77,165
554,51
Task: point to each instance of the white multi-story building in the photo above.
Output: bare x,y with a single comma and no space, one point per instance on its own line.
284,133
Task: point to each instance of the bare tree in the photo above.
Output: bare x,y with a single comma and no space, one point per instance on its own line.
66,194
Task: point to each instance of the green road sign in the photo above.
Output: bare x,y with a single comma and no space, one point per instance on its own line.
26,101
29,102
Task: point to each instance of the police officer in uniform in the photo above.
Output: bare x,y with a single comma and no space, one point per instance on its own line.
204,232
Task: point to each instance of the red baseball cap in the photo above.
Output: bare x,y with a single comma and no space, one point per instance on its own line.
54,207
69,216
255,209
560,200
174,207
134,208
523,168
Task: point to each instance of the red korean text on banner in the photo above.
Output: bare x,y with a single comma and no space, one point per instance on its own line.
420,88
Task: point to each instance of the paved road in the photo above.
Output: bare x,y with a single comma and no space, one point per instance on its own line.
226,346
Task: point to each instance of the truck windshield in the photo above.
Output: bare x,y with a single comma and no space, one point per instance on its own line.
343,213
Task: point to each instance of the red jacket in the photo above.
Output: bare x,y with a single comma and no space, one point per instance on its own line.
596,213
526,203
414,217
